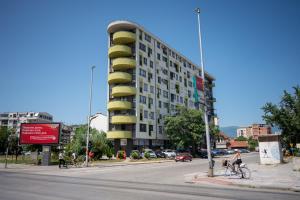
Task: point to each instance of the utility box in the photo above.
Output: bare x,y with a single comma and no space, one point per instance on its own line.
270,150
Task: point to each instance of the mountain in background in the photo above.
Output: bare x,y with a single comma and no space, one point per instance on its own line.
230,131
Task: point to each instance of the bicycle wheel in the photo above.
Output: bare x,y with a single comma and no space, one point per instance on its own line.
227,171
244,173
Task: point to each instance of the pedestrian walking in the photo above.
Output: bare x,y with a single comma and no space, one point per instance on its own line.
61,158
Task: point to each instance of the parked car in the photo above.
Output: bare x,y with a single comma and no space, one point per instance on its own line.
218,152
244,151
169,153
183,157
151,153
160,154
203,154
230,151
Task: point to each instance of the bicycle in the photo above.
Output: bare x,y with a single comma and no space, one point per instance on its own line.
242,170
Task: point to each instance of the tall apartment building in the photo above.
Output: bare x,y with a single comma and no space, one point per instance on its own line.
146,80
254,131
14,119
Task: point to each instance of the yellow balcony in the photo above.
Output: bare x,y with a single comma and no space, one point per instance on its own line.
119,77
123,63
119,105
123,119
123,37
122,91
118,134
119,51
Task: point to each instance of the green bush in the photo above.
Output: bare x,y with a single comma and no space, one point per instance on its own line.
147,155
134,155
121,155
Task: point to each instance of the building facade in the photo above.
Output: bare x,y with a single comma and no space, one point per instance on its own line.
146,80
99,122
14,119
254,131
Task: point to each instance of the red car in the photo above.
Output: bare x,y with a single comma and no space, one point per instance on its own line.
183,157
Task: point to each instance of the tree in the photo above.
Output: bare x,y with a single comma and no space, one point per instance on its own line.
240,138
4,133
186,128
286,115
252,143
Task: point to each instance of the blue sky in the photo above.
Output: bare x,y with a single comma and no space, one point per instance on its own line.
252,48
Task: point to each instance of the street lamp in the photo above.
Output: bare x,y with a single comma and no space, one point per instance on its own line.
210,168
89,119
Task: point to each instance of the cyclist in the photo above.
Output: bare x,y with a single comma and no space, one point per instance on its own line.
236,159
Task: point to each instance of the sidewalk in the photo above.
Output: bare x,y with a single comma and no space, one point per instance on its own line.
280,176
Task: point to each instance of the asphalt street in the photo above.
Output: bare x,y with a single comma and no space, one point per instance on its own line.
145,181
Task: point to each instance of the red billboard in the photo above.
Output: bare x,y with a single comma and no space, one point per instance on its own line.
39,133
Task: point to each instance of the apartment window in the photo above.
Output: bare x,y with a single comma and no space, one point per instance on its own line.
149,76
141,115
149,51
151,89
158,56
145,87
151,115
158,45
159,79
166,105
142,73
159,104
142,47
165,94
145,61
173,54
165,59
150,129
141,35
150,100
146,114
158,92
165,72
151,63
181,99
190,84
143,128
142,99
171,63
189,93
147,37
172,97
172,74
160,129
184,64
141,60
165,51
185,82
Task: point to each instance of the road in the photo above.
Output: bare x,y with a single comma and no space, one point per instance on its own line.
147,181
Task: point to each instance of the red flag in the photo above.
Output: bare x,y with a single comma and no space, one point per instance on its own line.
199,83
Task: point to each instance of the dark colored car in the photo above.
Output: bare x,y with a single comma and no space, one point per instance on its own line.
160,154
218,152
183,157
203,154
244,151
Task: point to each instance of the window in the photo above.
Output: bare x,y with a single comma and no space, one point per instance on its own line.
151,89
165,94
143,127
150,129
149,51
158,56
185,82
189,93
145,87
158,79
166,105
158,45
171,64
172,97
147,37
151,63
165,51
142,73
159,104
165,72
150,100
160,129
141,35
149,76
190,83
181,100
141,60
151,115
146,114
141,115
165,59
142,47
145,61
142,99
172,75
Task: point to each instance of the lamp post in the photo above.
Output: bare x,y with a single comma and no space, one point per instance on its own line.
210,168
89,119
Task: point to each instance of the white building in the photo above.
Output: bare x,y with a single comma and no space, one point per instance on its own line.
242,131
99,122
14,119
146,80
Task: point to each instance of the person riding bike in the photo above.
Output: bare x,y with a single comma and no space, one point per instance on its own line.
236,159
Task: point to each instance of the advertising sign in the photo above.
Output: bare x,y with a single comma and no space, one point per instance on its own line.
39,133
